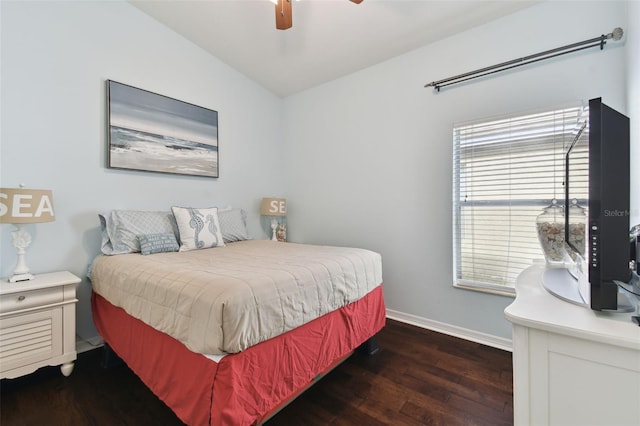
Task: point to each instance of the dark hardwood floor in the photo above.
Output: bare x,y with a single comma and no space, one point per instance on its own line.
418,377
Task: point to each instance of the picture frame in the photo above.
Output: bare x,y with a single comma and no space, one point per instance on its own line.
156,133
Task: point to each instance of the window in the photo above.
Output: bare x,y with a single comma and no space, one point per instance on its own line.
505,171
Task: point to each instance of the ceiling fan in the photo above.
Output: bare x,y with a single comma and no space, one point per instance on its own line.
284,17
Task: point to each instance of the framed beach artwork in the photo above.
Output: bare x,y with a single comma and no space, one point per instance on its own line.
155,133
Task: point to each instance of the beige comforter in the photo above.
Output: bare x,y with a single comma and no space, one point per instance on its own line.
226,299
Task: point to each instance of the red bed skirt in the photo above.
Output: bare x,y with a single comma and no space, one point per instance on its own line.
243,388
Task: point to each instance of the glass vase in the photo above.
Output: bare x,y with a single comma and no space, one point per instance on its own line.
550,225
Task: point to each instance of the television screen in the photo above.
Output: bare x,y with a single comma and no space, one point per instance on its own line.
597,185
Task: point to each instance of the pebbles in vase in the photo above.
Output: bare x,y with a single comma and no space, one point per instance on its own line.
551,236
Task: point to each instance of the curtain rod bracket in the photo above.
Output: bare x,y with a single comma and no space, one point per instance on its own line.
615,35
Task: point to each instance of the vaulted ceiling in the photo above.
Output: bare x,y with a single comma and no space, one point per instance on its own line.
329,38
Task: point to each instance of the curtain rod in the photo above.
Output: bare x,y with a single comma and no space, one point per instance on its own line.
616,35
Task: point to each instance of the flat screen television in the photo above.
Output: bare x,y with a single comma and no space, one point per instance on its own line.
598,242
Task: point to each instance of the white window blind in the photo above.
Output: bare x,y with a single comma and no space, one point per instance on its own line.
505,171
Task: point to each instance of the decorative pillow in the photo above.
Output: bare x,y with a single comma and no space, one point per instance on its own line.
157,243
120,228
198,228
233,225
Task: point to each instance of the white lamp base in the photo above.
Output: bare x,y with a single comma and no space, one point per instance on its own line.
274,225
21,277
21,240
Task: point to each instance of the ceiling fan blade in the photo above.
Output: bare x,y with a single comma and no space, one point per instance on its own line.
284,17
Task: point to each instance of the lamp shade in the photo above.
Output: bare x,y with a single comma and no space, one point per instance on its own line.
273,207
23,205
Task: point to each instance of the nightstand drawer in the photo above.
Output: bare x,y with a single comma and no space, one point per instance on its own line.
29,299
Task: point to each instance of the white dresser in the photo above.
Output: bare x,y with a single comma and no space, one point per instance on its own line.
38,324
571,365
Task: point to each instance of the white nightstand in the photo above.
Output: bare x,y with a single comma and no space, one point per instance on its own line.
38,324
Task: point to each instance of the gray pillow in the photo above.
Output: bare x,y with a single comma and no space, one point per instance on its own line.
233,224
120,229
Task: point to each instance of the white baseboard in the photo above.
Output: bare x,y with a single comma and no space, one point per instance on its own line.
452,330
84,345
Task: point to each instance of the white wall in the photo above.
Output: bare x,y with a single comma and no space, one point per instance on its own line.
370,155
56,57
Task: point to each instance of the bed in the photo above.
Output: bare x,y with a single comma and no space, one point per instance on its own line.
229,334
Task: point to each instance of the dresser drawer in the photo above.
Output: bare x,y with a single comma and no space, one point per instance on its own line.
29,299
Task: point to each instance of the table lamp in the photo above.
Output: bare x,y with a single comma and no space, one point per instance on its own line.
274,207
20,206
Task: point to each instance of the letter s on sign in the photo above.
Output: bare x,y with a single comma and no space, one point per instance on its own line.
3,206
